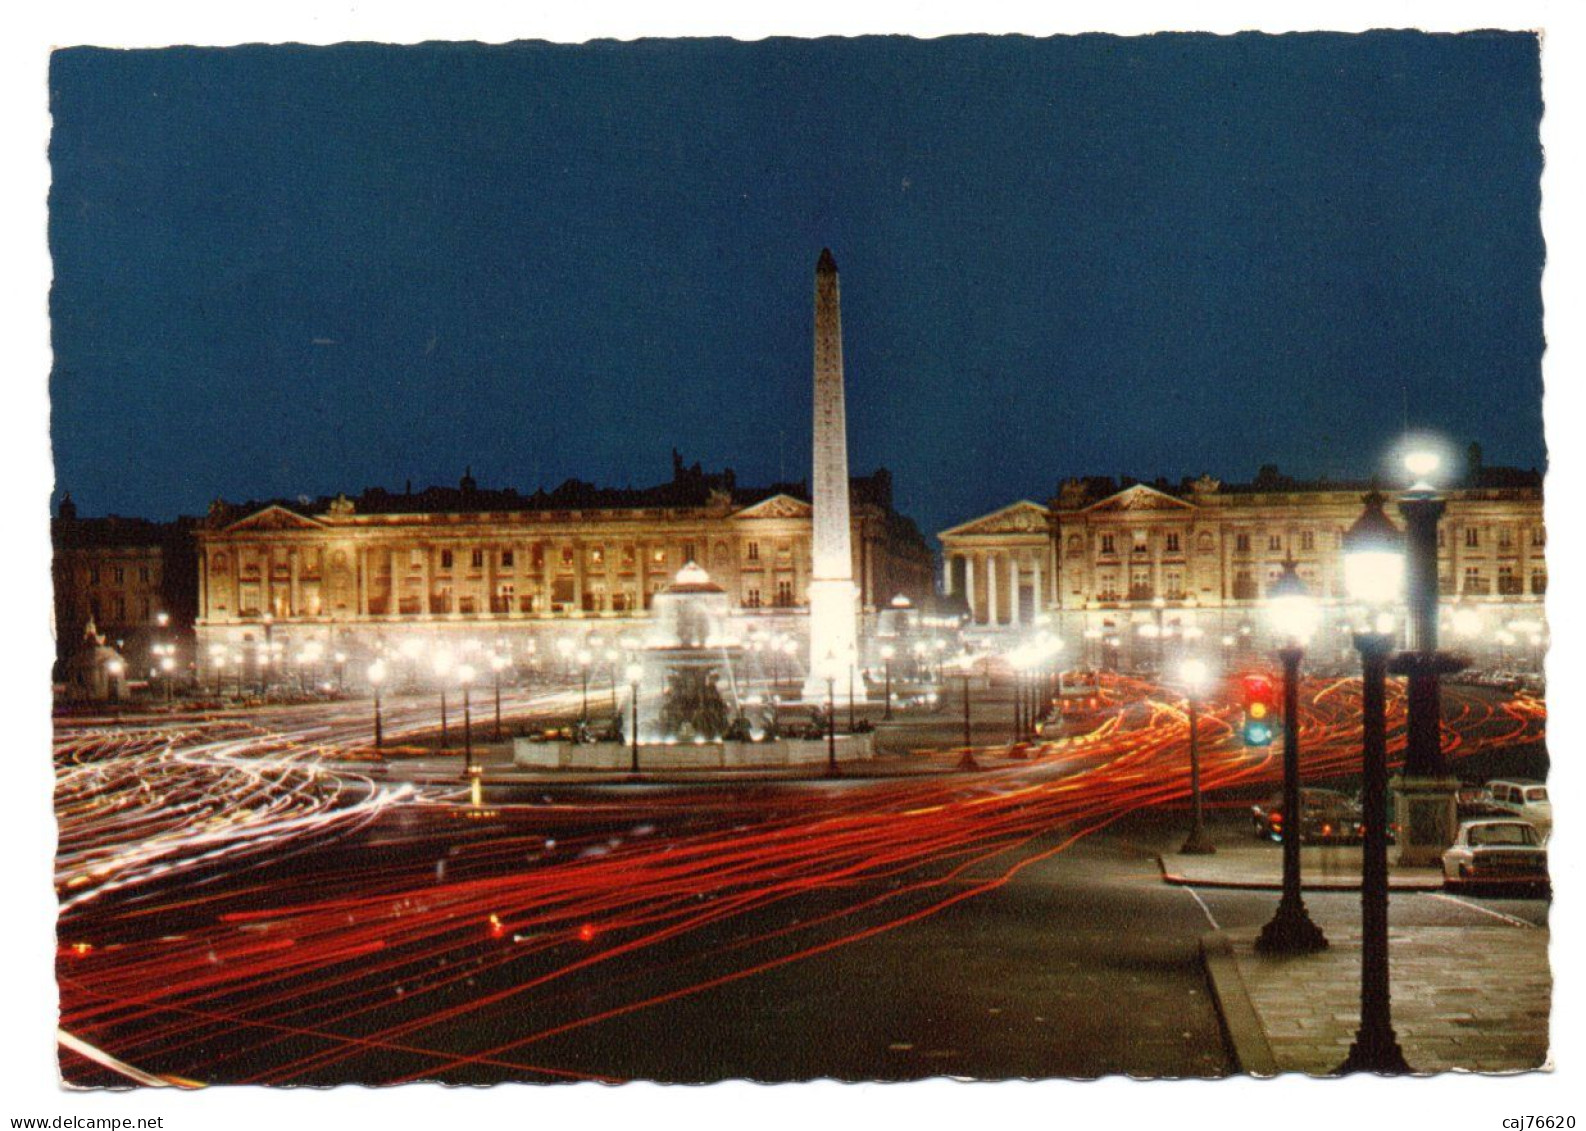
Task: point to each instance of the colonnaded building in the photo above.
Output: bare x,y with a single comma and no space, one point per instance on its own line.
580,563
1121,565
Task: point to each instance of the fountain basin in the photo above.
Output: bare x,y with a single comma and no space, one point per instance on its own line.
529,754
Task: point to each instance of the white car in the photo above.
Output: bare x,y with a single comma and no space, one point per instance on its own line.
1525,799
1498,849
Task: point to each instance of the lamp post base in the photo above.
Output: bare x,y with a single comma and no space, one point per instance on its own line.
967,762
1198,844
1291,931
1375,1050
1426,813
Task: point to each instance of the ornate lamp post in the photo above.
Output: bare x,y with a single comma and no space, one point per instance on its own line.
1194,674
497,663
886,660
376,678
1294,615
583,673
831,715
1159,607
966,667
634,672
1427,814
465,676
1374,574
341,673
443,667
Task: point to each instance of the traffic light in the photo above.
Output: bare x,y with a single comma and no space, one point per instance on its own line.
1261,711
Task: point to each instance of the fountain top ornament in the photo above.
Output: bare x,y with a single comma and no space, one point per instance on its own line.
692,612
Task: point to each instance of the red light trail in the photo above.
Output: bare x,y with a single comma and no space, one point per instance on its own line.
185,940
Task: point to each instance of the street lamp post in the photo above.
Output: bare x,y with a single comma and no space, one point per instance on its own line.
634,673
269,652
443,667
1018,698
886,660
341,673
1194,674
1373,574
1376,1046
1295,615
831,721
1427,813
376,678
1159,607
967,762
498,662
465,676
583,672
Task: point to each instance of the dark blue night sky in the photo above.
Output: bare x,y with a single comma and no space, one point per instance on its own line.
297,271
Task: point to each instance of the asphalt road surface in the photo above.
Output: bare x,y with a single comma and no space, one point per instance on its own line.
240,903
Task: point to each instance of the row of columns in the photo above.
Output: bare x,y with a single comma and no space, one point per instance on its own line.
394,557
1013,566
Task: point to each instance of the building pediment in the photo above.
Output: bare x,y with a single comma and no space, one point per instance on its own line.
274,517
1139,498
1023,517
777,506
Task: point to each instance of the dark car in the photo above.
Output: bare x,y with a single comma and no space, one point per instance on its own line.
1329,817
1473,801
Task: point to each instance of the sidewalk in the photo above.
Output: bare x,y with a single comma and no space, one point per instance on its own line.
1258,864
1472,998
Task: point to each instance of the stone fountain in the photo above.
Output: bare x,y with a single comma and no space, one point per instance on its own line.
694,711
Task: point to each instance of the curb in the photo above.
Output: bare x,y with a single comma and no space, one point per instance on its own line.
1178,880
381,772
1247,1038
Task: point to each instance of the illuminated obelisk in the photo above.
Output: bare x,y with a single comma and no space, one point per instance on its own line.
834,606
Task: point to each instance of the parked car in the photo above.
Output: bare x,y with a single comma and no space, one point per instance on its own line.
1496,850
1328,817
1527,800
1473,801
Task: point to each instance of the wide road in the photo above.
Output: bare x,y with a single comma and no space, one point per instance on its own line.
240,905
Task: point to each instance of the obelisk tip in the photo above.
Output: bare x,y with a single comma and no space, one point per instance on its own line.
827,264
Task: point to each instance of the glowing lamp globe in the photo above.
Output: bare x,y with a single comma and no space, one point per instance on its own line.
465,673
1422,463
1291,610
1374,556
634,672
377,672
1194,673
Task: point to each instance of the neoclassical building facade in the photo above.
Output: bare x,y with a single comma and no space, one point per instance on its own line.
1103,556
130,577
355,574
